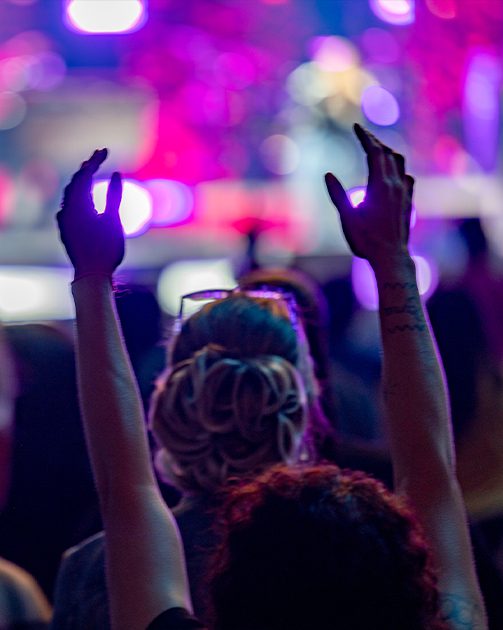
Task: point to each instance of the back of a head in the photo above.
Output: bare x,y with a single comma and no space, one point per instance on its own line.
311,306
317,547
233,402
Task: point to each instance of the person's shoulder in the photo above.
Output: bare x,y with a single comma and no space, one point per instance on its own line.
175,619
89,546
21,599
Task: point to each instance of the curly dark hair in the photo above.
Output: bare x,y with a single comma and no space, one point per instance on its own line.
320,547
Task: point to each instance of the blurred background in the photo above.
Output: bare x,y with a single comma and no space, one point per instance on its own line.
223,116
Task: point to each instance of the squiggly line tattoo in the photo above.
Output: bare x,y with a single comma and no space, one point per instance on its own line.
398,285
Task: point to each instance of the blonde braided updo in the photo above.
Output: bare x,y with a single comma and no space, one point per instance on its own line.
223,412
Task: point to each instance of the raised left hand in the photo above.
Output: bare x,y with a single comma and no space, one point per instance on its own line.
94,242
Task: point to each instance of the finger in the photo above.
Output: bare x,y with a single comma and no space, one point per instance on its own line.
78,192
409,180
375,151
400,163
338,194
114,195
391,167
342,203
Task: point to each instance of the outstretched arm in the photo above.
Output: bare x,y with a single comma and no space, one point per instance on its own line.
145,565
415,395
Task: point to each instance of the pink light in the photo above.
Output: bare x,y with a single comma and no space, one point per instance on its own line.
136,205
333,54
445,9
365,288
173,201
398,12
380,106
106,16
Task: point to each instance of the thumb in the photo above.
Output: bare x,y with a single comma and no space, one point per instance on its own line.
114,195
409,181
337,194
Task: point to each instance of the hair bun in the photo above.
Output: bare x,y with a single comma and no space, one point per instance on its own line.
221,414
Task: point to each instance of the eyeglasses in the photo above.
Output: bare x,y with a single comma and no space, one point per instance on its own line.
193,302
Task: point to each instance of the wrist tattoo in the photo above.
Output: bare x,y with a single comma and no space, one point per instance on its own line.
404,327
399,285
411,307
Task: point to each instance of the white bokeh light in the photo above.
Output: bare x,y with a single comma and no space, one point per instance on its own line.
357,195
188,276
105,16
136,206
35,294
398,12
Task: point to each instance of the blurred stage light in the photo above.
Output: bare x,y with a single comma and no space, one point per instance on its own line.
481,108
106,16
35,294
280,154
357,195
445,9
172,201
380,46
365,288
399,12
136,206
380,106
46,71
187,276
12,110
334,54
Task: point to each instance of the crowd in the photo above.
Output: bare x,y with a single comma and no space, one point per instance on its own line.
234,494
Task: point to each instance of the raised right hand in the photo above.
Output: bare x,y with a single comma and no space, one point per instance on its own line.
378,228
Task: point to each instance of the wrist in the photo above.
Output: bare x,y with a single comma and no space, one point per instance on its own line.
79,274
396,263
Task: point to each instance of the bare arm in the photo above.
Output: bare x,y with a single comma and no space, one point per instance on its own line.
145,565
413,384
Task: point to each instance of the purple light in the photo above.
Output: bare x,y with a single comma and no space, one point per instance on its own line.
380,106
481,108
173,202
365,288
398,12
105,16
46,72
136,205
380,46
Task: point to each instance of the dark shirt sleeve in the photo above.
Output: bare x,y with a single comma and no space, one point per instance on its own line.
175,619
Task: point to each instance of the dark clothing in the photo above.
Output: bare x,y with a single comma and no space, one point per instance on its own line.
81,599
175,619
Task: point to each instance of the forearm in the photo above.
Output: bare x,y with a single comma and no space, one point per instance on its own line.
111,404
143,548
414,390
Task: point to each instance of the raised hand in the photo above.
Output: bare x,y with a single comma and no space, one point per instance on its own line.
94,242
379,226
